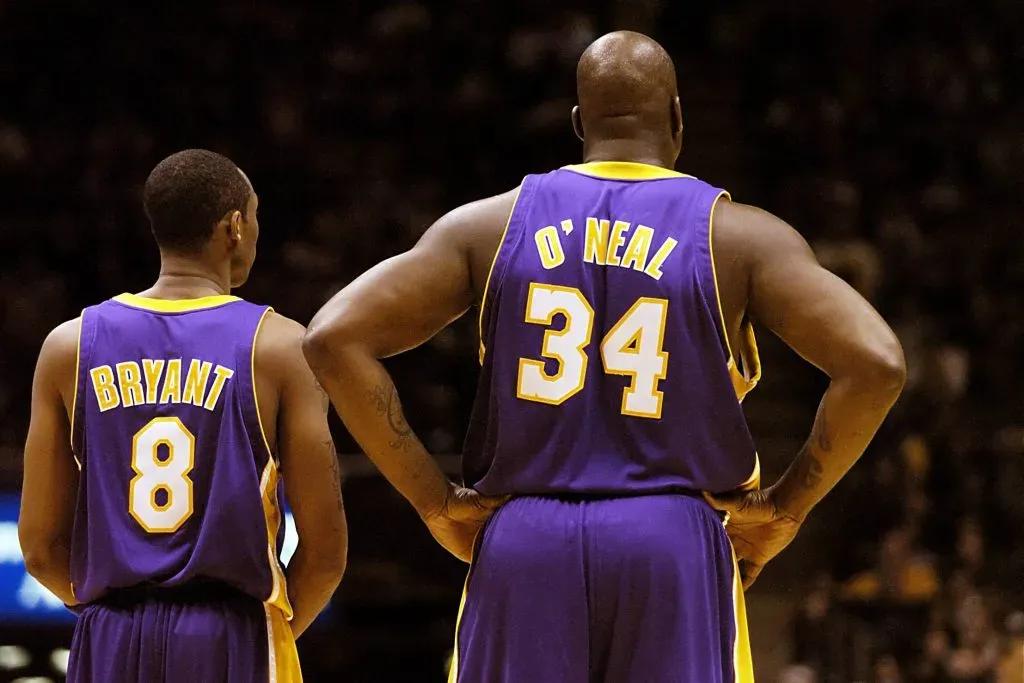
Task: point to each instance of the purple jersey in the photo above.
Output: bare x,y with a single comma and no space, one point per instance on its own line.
606,369
177,480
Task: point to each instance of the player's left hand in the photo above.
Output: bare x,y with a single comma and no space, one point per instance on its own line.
456,523
756,527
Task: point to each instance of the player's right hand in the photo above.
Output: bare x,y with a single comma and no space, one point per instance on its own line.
457,521
756,527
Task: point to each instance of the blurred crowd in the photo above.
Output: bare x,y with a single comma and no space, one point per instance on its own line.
887,135
898,156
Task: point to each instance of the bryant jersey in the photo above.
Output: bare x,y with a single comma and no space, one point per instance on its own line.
606,368
177,479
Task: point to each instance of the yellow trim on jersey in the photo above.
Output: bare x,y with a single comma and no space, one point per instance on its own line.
744,382
624,170
453,670
490,271
742,662
268,493
753,482
283,658
714,275
252,374
752,358
74,396
272,518
174,305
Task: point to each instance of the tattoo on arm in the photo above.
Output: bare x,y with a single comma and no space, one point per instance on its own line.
810,470
822,437
384,398
323,395
335,472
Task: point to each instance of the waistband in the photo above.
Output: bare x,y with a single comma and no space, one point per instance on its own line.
191,593
576,497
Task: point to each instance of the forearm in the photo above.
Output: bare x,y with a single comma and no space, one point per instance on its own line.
848,417
53,571
365,397
310,587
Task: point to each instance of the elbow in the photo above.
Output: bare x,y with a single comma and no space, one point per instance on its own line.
316,345
885,367
39,562
322,343
333,558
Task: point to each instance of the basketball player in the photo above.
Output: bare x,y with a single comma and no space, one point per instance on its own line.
615,305
163,424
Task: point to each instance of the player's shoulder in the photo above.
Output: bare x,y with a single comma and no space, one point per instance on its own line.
279,333
465,223
58,356
748,232
63,339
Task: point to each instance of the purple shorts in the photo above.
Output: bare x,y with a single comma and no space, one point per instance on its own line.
210,636
617,590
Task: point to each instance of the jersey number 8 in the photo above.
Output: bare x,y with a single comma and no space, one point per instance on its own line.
154,474
632,347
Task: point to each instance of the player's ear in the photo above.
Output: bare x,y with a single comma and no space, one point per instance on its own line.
677,120
235,227
577,122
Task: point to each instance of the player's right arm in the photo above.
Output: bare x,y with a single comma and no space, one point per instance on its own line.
830,325
395,306
50,485
309,466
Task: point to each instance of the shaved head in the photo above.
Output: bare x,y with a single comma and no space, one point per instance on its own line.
626,86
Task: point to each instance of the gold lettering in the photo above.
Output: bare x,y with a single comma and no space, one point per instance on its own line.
639,246
152,369
221,375
195,382
103,385
654,267
549,247
616,242
171,392
130,380
596,243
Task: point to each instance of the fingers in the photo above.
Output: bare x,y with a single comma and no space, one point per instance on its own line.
749,572
727,502
491,502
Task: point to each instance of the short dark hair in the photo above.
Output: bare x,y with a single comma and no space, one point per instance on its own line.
188,193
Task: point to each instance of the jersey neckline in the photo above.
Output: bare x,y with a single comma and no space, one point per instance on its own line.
174,305
624,170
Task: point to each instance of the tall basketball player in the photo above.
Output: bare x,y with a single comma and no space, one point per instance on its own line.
615,304
163,425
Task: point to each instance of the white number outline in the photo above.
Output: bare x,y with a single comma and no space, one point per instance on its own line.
575,357
566,357
151,466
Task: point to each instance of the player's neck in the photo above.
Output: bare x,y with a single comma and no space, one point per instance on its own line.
182,278
634,151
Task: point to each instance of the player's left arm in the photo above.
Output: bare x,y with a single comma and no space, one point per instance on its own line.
50,484
396,306
310,470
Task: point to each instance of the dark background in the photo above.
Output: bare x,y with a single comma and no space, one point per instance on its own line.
888,133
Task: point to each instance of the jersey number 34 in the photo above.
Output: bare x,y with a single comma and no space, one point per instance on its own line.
632,347
167,475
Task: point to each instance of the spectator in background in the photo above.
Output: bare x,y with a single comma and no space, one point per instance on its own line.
903,575
815,635
887,670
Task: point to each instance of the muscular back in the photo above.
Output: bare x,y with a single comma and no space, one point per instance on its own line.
765,272
481,225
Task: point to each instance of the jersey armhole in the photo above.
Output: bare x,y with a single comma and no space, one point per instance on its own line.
723,329
77,422
255,393
497,269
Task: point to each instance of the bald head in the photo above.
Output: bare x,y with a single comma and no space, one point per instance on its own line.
626,85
